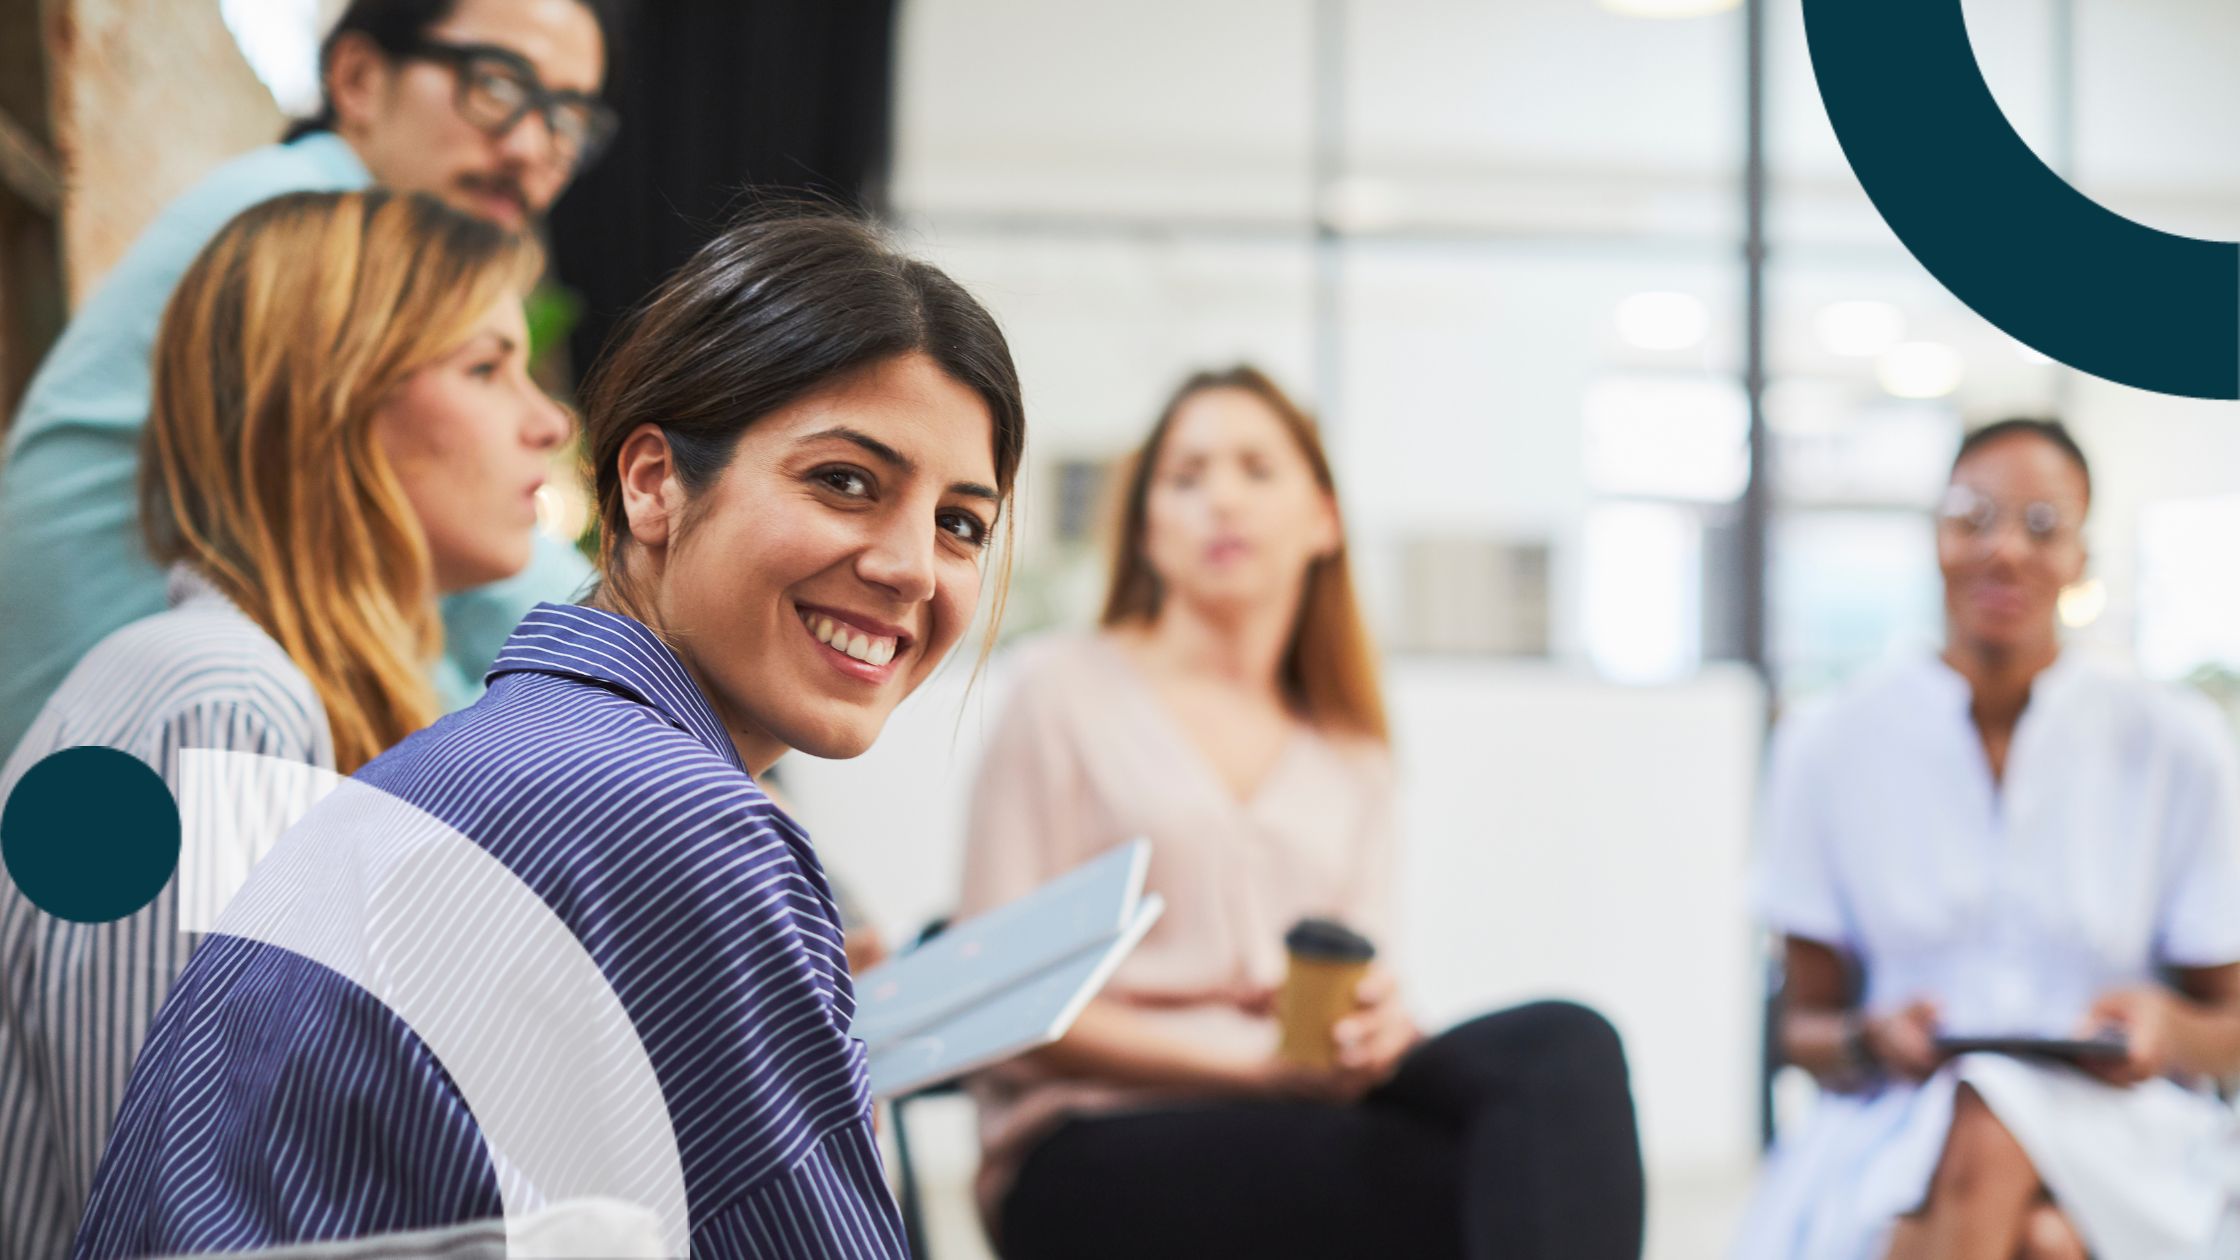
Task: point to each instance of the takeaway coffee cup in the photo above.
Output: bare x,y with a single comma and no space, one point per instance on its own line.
1328,960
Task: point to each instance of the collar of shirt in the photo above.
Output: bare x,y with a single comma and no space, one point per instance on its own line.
1956,694
185,584
616,652
334,157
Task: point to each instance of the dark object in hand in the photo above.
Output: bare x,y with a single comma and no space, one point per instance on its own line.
2104,1049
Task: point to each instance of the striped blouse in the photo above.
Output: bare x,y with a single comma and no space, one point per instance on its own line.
76,999
276,1102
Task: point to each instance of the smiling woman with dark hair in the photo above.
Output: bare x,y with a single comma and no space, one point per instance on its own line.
802,454
2006,840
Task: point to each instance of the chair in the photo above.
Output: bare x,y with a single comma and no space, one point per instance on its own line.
1769,1049
907,1195
1770,1058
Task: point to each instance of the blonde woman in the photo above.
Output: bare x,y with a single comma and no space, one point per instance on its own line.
343,430
1230,711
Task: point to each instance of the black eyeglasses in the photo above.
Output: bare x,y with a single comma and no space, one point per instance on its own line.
498,88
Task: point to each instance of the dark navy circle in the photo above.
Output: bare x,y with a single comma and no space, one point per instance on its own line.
90,834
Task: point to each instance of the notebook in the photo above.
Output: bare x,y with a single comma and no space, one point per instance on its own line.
1006,981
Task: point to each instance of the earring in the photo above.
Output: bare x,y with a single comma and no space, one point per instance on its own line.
2081,602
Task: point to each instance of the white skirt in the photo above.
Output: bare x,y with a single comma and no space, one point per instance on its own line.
2151,1172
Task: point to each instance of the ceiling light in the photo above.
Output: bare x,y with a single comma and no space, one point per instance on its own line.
1920,369
1859,329
1668,8
1662,321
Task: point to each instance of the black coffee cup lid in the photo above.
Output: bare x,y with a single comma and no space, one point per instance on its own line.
1327,940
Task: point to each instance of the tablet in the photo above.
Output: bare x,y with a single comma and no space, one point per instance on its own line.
2065,1049
1029,1015
973,961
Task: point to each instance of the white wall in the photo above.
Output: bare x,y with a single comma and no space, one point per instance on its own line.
1571,837
2146,447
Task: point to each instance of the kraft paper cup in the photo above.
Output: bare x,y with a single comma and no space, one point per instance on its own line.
1328,960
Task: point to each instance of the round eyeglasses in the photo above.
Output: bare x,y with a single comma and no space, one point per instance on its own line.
1978,517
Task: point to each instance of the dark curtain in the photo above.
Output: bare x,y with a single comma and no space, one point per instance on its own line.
721,101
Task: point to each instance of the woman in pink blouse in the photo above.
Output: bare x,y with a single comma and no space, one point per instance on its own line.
1230,710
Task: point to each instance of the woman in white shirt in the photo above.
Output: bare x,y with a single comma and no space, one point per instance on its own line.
342,429
2006,840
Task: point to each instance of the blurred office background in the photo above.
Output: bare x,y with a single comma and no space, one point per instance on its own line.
1501,246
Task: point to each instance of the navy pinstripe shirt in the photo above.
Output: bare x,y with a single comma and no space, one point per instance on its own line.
277,1102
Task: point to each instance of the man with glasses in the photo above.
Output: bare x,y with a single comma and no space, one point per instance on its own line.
490,105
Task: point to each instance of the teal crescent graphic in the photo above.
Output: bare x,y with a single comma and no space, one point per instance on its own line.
2008,236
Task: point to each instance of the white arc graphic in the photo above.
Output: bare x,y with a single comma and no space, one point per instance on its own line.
456,946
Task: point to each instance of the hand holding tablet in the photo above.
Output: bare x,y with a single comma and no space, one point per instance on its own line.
1005,981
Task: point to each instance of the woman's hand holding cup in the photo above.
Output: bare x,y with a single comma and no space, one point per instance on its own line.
1371,1041
1343,1026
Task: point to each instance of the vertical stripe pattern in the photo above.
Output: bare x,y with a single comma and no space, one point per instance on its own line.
278,1103
76,1000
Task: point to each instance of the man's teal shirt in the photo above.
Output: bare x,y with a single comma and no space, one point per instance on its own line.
72,564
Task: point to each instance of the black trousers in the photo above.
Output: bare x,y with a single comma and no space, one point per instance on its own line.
1510,1136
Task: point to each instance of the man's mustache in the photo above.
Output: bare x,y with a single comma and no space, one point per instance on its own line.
499,185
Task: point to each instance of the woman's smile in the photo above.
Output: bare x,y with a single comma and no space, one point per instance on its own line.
856,646
1997,597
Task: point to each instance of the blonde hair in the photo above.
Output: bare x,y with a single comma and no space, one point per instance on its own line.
260,466
1330,668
